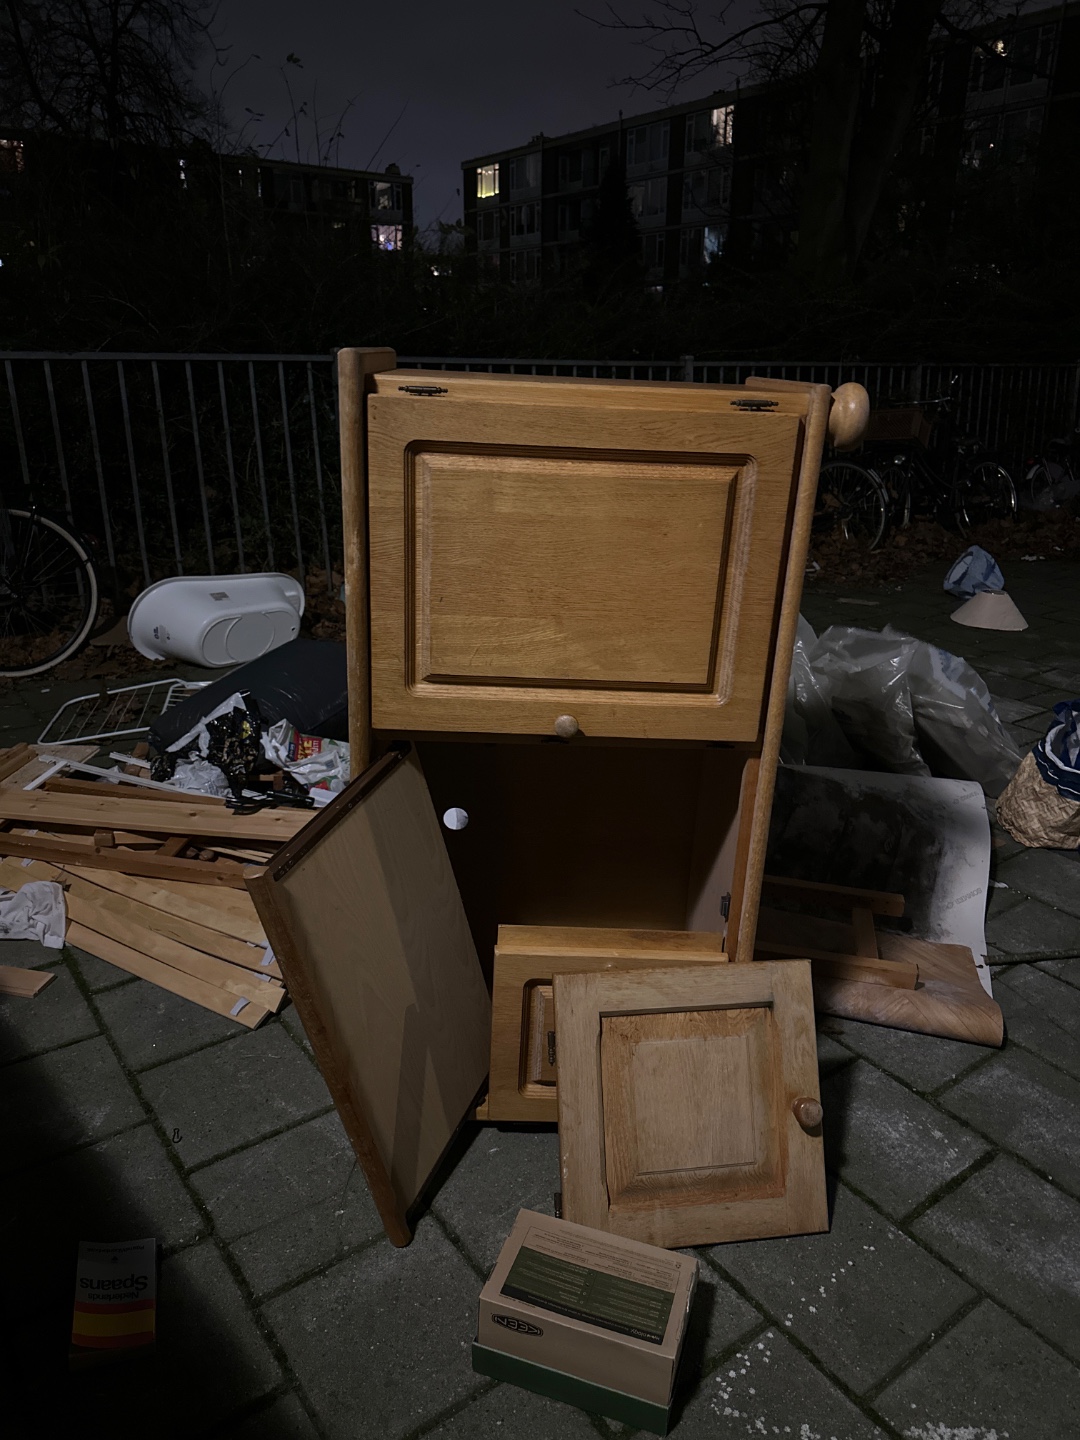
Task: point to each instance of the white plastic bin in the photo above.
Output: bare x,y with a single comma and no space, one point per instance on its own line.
216,620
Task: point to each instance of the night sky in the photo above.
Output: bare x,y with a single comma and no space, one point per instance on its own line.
471,76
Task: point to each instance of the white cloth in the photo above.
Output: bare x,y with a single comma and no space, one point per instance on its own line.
34,912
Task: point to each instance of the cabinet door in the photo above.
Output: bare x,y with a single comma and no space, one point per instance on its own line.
365,918
688,1103
612,562
521,1083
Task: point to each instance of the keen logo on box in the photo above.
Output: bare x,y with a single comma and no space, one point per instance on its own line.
510,1322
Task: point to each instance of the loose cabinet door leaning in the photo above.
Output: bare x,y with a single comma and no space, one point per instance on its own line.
604,556
364,915
688,1103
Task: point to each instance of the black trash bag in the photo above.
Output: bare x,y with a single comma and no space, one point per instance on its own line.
304,682
234,746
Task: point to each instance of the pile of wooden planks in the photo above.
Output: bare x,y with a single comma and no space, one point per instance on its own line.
203,943
153,881
155,834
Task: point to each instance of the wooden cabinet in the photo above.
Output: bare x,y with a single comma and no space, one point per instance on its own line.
598,552
571,607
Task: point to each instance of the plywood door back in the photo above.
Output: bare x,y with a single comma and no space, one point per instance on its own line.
368,927
606,555
679,1102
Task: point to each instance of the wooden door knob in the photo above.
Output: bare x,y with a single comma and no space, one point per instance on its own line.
807,1112
566,727
848,416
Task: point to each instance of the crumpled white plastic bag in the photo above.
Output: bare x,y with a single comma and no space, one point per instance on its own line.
35,911
321,765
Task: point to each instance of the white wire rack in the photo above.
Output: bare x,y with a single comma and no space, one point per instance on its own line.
111,714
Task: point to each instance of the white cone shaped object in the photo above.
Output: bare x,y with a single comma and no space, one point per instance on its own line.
990,610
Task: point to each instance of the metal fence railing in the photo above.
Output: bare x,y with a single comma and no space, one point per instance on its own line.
206,464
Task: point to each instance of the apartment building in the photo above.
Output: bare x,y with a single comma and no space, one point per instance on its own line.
721,175
527,209
379,201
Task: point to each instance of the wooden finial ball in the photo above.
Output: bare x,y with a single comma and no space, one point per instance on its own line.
849,416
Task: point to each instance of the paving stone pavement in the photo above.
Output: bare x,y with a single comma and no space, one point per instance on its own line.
944,1304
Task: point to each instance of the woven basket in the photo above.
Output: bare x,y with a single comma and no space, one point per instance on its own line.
1035,814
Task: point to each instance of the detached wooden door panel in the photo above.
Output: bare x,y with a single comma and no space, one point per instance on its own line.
366,921
688,1103
598,555
524,1042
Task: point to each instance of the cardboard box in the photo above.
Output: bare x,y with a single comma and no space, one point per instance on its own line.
115,1310
586,1317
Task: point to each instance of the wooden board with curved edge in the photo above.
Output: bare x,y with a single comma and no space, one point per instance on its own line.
949,999
365,917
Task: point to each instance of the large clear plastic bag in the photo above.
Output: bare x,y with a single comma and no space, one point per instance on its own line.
812,735
866,676
907,706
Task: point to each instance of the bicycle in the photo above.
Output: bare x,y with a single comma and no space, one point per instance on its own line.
1050,479
851,500
971,486
48,592
895,477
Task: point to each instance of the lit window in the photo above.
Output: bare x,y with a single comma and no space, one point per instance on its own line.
386,237
183,172
709,129
723,122
11,156
713,247
487,182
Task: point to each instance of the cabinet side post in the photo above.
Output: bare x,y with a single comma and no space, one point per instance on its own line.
743,927
354,369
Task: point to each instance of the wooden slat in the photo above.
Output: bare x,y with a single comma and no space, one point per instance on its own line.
355,367
14,759
862,922
900,974
15,980
93,914
14,874
665,945
210,997
230,911
126,862
881,902
103,789
151,815
174,927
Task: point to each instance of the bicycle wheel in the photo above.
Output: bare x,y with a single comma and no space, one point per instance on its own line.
851,501
48,593
984,492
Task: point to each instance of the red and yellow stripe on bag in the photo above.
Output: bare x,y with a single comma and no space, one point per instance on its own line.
114,1327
